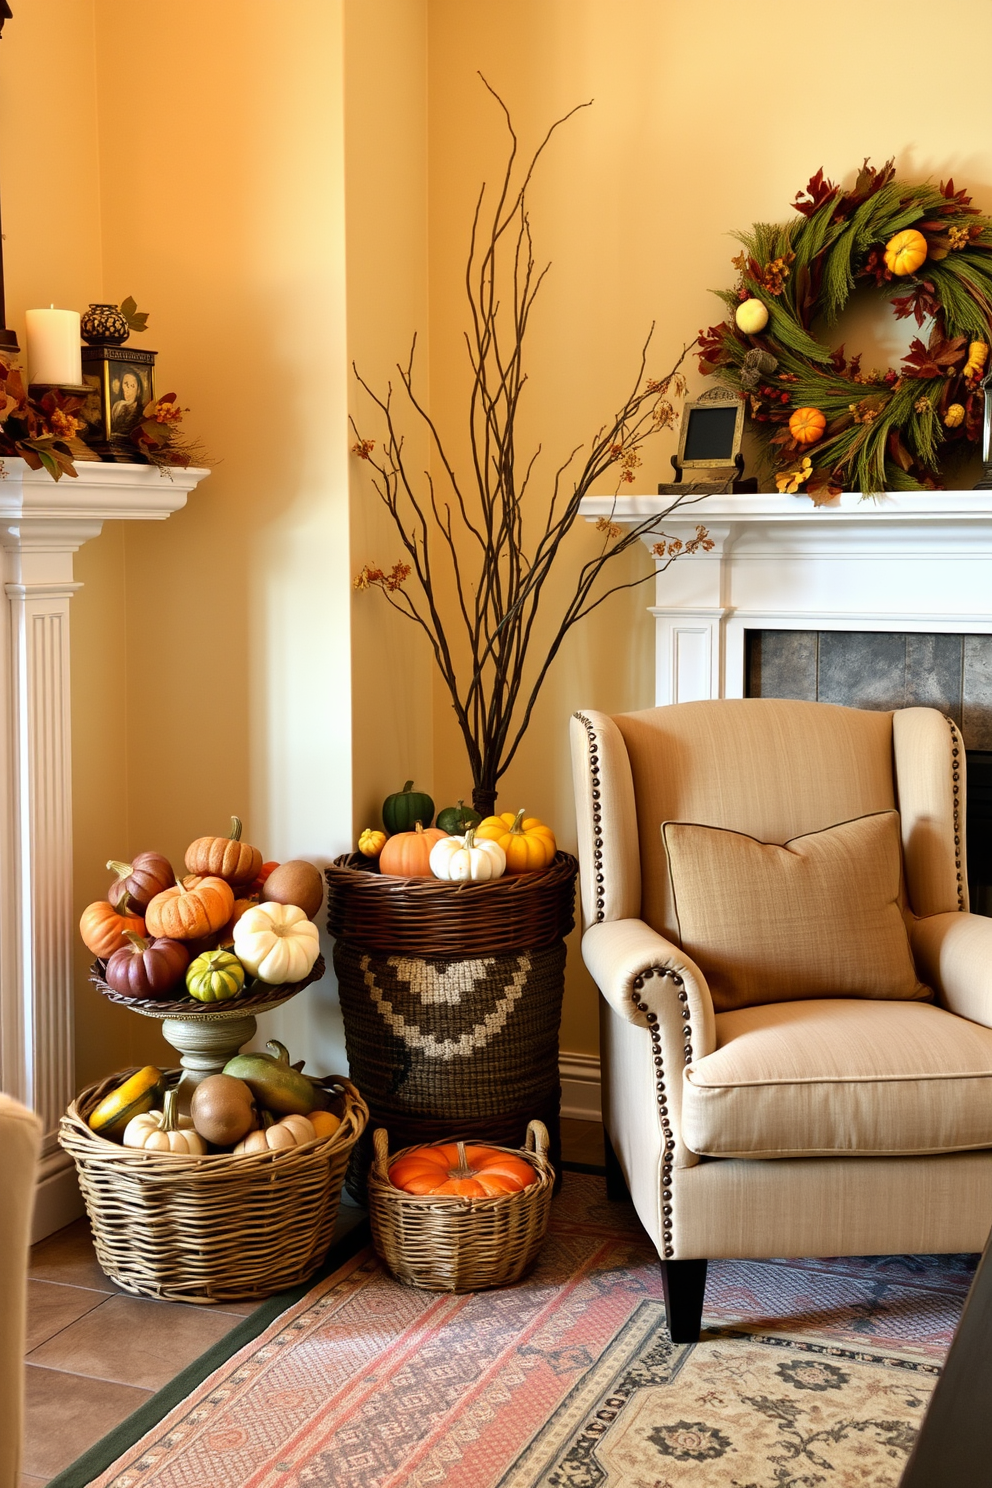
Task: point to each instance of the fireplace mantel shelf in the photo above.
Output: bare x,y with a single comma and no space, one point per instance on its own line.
915,561
772,506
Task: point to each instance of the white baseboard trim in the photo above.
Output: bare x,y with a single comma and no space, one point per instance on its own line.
580,1090
57,1200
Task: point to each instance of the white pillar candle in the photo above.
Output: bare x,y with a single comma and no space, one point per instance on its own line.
54,353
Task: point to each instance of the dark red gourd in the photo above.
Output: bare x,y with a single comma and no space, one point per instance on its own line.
148,968
140,880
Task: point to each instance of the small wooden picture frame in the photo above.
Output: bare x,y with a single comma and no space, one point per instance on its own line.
710,432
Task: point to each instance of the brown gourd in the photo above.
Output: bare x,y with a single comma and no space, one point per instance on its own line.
295,882
223,1110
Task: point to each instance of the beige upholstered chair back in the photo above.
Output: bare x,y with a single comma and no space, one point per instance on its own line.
773,769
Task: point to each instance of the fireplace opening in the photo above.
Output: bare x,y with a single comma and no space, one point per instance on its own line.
882,670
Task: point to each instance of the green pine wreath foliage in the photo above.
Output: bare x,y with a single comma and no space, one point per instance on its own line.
885,430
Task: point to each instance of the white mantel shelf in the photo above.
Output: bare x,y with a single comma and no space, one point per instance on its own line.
42,524
902,561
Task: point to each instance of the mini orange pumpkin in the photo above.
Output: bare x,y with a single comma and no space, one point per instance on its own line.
807,425
182,913
225,857
905,252
104,930
529,845
408,854
454,1168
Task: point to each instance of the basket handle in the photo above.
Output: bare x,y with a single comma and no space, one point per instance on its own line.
537,1138
380,1141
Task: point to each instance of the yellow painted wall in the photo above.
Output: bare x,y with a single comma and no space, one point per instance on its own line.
298,192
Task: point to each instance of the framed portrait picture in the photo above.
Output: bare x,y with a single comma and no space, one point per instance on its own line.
121,380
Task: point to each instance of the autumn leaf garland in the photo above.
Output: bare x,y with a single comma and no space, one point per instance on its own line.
886,429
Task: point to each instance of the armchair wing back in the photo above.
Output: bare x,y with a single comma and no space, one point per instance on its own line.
858,1157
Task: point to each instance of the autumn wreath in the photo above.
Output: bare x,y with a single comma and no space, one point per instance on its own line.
827,425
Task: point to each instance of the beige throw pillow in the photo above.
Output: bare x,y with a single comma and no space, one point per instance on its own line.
819,917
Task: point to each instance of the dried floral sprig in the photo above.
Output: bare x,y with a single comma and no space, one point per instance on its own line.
478,554
160,440
36,429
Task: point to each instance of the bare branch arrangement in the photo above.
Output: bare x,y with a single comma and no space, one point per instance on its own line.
475,571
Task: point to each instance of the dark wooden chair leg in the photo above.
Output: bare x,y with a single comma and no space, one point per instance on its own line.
616,1183
684,1283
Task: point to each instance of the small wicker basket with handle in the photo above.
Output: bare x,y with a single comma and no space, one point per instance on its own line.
214,1228
447,1243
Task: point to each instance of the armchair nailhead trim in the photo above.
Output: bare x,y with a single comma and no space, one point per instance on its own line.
956,748
597,815
661,1094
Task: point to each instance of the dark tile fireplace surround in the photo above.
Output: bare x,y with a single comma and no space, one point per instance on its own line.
871,669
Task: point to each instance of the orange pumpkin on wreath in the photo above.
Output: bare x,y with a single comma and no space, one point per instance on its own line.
807,425
467,1171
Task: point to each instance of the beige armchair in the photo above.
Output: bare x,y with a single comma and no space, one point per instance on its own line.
796,1013
20,1140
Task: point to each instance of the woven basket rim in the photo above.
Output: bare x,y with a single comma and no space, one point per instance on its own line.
538,1159
262,995
75,1134
562,869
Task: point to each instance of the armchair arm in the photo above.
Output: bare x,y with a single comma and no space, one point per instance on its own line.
627,957
954,956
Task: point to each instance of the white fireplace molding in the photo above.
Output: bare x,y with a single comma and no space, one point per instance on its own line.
42,524
914,561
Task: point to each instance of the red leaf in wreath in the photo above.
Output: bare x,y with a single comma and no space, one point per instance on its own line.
876,268
870,180
897,451
921,302
712,352
818,191
961,199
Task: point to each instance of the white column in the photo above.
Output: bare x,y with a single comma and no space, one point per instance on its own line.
41,526
689,612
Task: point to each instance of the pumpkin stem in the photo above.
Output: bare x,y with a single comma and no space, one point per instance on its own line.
419,826
464,1171
279,1051
516,830
235,832
169,1111
124,908
138,942
267,1120
470,837
121,869
407,788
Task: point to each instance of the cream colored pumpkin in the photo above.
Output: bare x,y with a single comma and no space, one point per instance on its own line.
276,942
291,1131
751,316
465,860
164,1131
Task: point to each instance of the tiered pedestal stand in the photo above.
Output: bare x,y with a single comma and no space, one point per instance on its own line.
207,1035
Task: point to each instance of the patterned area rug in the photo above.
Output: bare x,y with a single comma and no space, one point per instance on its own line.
809,1372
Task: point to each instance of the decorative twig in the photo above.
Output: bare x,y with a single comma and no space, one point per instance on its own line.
495,574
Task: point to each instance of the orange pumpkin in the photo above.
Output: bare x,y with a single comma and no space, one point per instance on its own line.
408,854
454,1168
240,905
225,857
905,252
807,425
528,844
104,931
182,913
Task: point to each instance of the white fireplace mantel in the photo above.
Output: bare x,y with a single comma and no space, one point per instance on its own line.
913,561
42,524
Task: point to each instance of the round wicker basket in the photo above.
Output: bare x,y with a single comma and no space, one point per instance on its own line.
214,1228
451,998
446,1243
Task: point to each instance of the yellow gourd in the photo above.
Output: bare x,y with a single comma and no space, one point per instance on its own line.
371,843
163,1131
954,416
977,352
133,1096
324,1123
905,252
527,843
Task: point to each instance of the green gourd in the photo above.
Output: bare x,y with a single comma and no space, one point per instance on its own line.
456,820
216,976
275,1083
402,811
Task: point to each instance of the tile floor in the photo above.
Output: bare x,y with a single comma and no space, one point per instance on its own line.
95,1354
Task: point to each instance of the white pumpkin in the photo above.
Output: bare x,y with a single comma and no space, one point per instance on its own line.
276,942
291,1131
751,316
465,860
163,1131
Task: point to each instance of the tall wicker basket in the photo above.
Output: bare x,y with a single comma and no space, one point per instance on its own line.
451,997
214,1228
